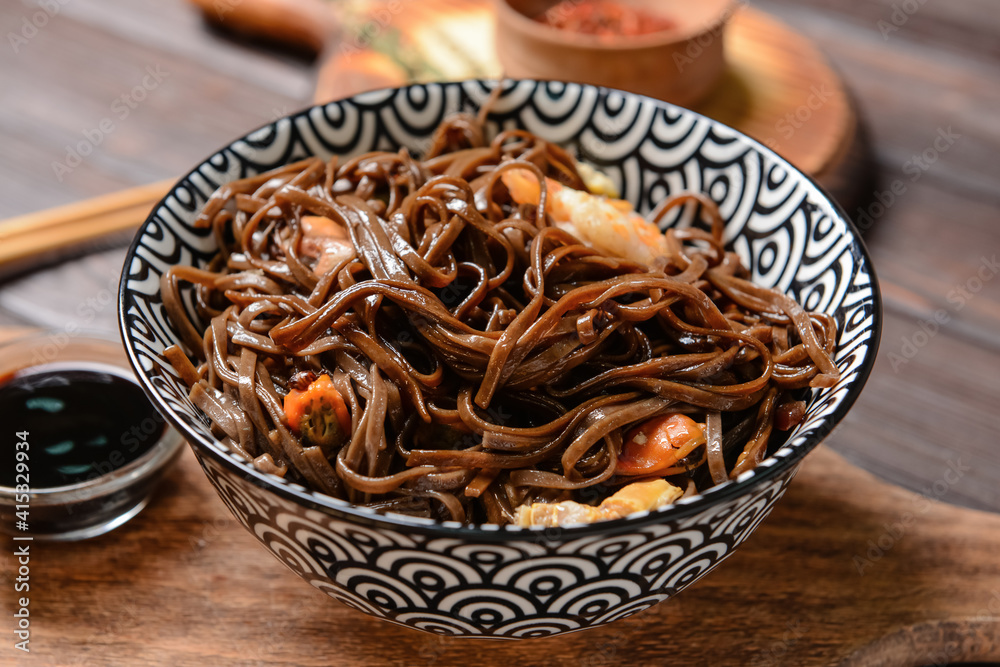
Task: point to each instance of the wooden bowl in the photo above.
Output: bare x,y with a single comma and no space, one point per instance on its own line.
680,65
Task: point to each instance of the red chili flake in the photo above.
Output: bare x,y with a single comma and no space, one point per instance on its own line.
603,18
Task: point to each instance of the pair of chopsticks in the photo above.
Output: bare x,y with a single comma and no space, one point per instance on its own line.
31,240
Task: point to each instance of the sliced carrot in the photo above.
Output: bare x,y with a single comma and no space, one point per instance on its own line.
659,444
319,395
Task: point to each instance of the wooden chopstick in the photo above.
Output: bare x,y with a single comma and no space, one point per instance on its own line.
8,333
36,238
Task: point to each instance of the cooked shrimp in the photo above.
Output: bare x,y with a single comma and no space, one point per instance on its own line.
609,225
325,241
632,498
658,446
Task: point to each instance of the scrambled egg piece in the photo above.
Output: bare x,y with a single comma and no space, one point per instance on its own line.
632,498
597,181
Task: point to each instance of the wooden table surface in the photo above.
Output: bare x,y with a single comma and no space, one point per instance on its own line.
98,95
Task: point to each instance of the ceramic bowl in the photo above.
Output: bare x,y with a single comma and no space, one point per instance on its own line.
681,64
488,581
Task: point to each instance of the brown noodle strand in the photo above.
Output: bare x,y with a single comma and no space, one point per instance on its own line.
487,356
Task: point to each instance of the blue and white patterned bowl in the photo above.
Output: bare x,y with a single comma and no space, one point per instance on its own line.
487,581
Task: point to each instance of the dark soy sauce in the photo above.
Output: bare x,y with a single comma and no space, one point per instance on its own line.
82,422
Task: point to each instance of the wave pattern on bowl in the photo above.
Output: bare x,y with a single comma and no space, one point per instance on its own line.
785,229
530,587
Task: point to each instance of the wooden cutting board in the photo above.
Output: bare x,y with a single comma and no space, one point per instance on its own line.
848,571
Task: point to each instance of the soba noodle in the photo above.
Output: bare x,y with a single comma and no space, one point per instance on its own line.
488,358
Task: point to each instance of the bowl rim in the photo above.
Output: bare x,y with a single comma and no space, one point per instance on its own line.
515,19
343,510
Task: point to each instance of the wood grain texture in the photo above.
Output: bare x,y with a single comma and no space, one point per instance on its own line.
907,90
65,80
927,245
846,570
913,420
969,27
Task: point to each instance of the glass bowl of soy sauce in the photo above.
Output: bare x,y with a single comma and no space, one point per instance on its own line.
82,448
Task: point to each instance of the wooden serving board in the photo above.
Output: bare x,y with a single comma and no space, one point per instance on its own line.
848,571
